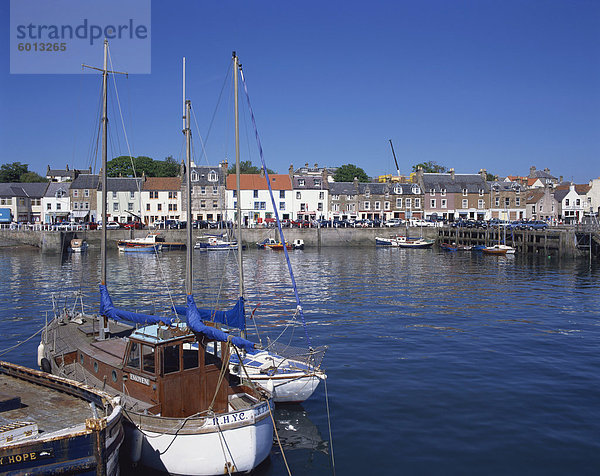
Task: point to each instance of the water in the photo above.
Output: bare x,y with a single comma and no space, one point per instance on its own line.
438,363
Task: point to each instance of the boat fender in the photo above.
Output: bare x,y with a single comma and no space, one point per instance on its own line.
269,386
135,450
46,365
40,354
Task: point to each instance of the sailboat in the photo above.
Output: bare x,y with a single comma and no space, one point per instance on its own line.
184,413
290,374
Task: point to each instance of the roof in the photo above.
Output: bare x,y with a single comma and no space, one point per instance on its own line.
162,183
342,188
122,184
581,189
86,181
31,190
311,182
505,186
438,182
259,182
54,187
535,195
542,174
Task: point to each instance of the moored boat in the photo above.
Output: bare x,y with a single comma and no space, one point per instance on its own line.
52,425
215,243
150,243
78,245
499,250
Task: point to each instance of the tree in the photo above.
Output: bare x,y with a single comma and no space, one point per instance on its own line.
246,167
490,177
12,172
346,173
29,177
430,167
121,167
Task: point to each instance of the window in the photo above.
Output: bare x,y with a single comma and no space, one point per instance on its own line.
507,201
115,206
147,207
415,189
496,201
398,189
386,206
377,205
417,203
215,190
256,205
58,206
263,205
317,182
255,194
517,202
154,194
349,197
234,193
481,192
130,206
351,207
444,203
298,195
301,182
114,195
202,203
215,204
303,207
75,193
281,193
320,206
398,203
465,203
432,203
133,359
131,194
171,359
148,359
408,203
432,192
367,193
172,194
282,205
465,192
480,203
321,195
335,197
212,176
49,206
443,192
577,202
194,176
86,205
336,207
203,190
86,193
75,206
566,202
367,206
159,207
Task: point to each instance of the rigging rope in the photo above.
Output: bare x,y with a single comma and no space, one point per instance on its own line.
264,166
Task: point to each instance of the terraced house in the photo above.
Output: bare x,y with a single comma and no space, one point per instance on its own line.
123,199
310,196
208,192
161,199
508,200
84,198
453,196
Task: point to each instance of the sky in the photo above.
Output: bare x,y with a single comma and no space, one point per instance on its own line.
499,85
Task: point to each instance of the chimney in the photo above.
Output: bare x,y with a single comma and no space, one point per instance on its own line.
306,165
560,179
291,171
48,172
483,174
67,169
262,172
452,174
532,171
547,170
324,175
356,182
316,165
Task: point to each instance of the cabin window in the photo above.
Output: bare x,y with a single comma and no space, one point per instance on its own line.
148,359
190,358
133,360
171,359
114,375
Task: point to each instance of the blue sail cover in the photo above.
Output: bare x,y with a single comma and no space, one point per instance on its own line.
108,309
235,317
194,321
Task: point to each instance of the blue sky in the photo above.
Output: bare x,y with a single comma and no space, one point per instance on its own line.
500,85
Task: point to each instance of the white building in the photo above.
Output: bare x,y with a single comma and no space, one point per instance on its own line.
573,202
310,195
123,200
161,199
56,203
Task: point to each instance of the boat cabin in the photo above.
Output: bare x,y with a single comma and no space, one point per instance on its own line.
165,368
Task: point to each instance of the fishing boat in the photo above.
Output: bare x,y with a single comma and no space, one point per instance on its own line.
78,245
184,413
215,243
52,425
150,243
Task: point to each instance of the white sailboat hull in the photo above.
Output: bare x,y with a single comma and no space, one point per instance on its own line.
291,389
237,442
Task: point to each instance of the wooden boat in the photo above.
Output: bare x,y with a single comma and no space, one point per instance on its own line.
393,240
184,413
52,425
272,244
150,243
78,245
499,250
454,247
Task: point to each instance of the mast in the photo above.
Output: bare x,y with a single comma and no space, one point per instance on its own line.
394,153
237,66
188,188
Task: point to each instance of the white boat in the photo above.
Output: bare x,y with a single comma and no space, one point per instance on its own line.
215,243
150,243
184,413
499,250
78,245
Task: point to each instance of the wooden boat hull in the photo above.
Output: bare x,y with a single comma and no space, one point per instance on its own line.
234,442
90,447
126,247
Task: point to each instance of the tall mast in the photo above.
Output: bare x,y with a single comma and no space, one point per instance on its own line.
104,161
394,153
188,191
237,66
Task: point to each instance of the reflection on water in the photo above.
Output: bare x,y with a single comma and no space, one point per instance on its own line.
438,363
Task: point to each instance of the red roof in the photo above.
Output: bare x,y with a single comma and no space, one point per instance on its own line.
259,182
162,183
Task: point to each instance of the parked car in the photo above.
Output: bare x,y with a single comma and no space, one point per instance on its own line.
90,225
394,222
134,224
536,225
111,225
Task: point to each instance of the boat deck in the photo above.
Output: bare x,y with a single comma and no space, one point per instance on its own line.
22,401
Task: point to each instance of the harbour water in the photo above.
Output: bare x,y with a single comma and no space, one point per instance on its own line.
438,363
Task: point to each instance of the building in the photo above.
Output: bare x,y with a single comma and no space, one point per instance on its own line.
123,199
83,196
65,175
255,200
208,192
56,203
541,205
310,196
24,200
507,200
545,176
572,202
453,196
161,199
593,196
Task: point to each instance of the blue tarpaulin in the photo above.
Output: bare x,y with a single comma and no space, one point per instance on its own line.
234,317
108,309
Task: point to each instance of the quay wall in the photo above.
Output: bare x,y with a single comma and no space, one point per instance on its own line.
559,242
